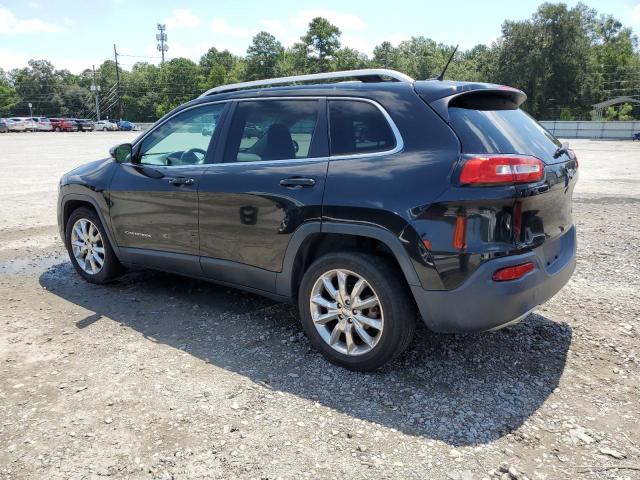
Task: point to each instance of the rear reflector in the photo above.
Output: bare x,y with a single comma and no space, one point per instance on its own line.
501,169
513,273
459,233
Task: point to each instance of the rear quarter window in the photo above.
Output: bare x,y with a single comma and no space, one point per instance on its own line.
358,127
502,131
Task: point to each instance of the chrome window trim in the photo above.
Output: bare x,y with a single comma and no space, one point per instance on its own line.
270,162
383,153
396,132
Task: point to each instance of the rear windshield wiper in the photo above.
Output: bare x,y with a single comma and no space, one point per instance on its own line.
560,150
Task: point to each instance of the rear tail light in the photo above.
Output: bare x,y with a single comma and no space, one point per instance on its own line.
513,273
501,169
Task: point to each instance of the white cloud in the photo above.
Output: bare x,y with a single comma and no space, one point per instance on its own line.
34,5
357,43
636,14
396,38
282,32
347,22
10,59
10,24
220,26
182,18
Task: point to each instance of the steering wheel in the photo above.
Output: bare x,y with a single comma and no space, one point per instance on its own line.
296,147
189,157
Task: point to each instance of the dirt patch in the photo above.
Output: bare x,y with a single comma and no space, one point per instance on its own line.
158,376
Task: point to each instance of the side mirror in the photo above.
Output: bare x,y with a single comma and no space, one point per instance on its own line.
121,153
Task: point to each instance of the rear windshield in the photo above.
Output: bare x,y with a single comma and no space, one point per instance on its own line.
502,131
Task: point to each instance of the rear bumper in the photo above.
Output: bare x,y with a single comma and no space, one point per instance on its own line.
481,304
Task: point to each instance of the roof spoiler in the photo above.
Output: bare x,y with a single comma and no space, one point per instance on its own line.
498,98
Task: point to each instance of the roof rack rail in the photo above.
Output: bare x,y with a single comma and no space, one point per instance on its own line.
364,75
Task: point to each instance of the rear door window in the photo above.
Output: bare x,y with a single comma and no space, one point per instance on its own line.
358,127
268,130
502,131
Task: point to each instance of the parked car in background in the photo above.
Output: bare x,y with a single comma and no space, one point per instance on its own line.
3,126
84,125
29,125
105,125
63,125
16,125
43,124
126,125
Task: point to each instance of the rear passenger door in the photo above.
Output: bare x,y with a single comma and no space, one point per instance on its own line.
268,180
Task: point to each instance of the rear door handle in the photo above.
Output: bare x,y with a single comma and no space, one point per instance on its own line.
181,181
294,182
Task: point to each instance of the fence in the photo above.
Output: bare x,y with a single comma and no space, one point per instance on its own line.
567,129
591,129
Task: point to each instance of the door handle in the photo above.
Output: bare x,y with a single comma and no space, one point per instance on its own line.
181,181
296,182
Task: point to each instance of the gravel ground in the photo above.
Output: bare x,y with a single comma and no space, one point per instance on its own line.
157,376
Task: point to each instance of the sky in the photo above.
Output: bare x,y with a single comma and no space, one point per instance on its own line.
76,34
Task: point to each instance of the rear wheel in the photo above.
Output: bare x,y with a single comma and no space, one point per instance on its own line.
356,310
89,248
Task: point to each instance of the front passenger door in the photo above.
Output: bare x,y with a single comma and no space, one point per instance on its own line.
154,199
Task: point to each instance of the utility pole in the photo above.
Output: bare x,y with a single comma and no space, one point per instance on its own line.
95,88
115,53
162,38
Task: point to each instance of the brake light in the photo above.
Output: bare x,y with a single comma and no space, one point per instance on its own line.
501,169
512,273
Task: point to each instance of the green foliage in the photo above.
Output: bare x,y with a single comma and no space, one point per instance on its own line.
565,59
262,56
322,41
565,114
621,113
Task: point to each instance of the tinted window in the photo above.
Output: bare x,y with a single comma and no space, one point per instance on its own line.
358,127
502,131
182,140
271,130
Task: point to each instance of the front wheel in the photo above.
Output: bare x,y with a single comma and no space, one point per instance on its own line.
356,309
89,248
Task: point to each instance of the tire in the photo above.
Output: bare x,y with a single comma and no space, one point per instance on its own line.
395,310
111,267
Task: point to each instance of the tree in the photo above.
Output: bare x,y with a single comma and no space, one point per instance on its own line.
215,57
76,102
385,55
322,41
622,113
349,59
179,82
38,84
8,95
262,56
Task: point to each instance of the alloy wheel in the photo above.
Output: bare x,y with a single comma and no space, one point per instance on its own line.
87,246
346,312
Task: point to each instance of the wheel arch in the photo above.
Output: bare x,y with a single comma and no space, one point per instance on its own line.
314,239
71,202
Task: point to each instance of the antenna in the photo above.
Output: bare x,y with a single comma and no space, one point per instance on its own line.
441,76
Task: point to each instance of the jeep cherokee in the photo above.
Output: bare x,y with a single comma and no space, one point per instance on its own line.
365,202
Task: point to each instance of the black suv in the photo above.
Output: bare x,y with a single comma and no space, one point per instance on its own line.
364,202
